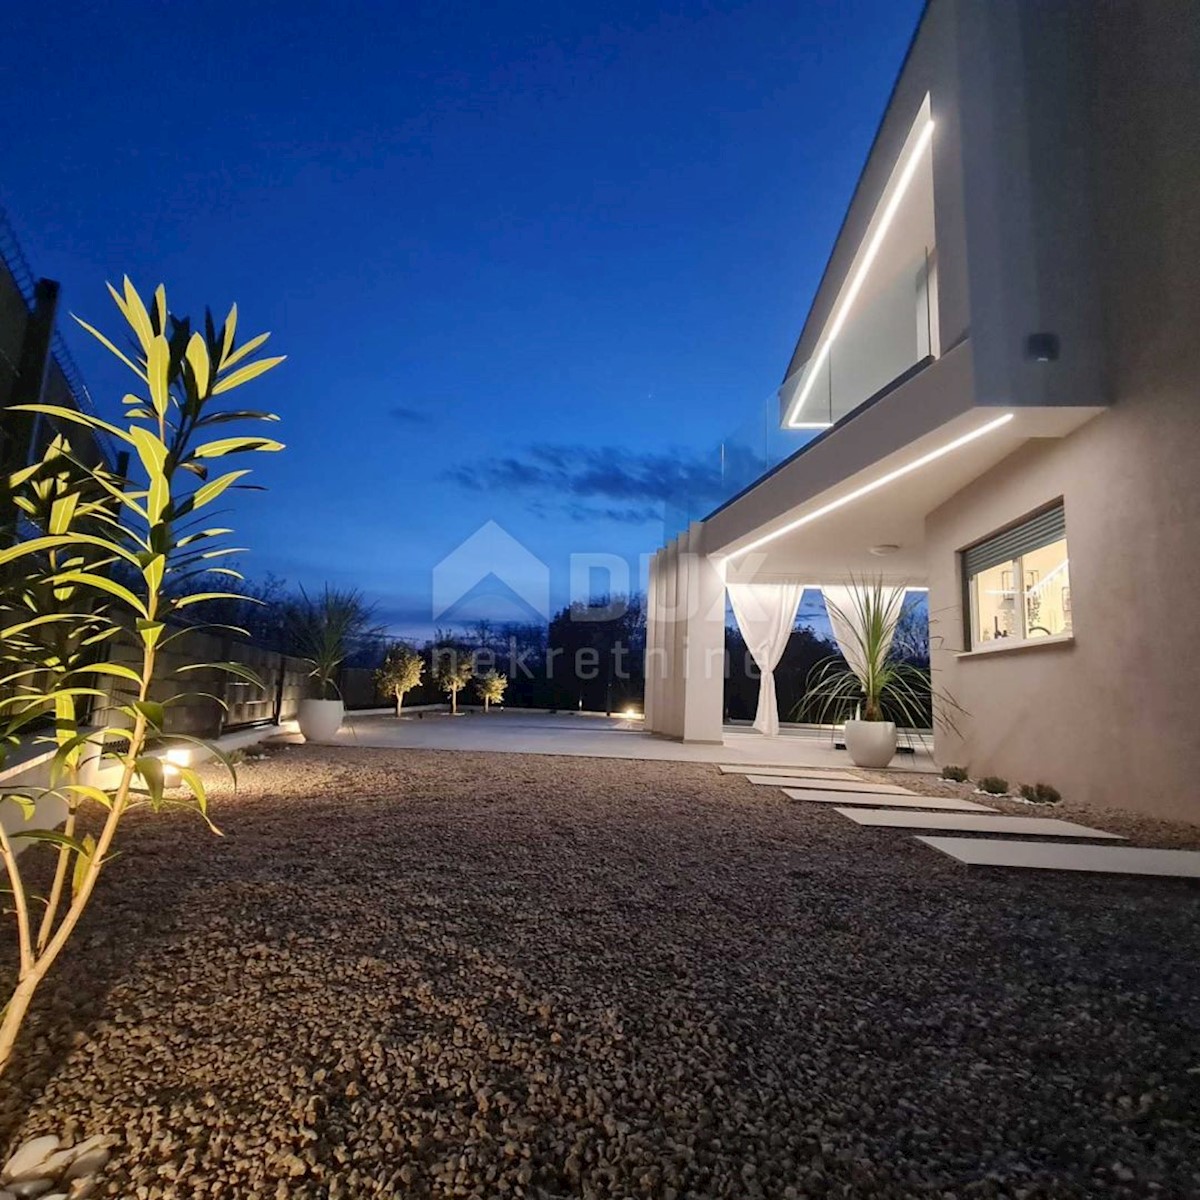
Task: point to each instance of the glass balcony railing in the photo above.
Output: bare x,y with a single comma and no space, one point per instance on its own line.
888,327
730,465
882,330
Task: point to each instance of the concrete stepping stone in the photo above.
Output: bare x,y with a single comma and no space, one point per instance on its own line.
973,823
1058,856
875,800
800,780
807,772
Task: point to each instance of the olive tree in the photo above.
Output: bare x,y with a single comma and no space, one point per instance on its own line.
401,672
491,688
453,669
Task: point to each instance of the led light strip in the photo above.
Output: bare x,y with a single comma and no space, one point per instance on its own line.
876,484
889,214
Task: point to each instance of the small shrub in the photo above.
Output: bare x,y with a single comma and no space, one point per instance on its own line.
1041,793
955,774
994,785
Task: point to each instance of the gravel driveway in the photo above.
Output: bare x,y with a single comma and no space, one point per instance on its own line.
428,974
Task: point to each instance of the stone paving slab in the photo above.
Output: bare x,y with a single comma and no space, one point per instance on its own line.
973,823
805,772
822,783
875,800
1056,856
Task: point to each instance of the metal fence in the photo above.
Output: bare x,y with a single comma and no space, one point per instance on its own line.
206,703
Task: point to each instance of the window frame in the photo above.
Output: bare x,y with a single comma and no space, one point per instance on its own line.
973,643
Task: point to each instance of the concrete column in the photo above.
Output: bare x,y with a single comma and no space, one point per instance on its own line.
704,645
668,602
651,667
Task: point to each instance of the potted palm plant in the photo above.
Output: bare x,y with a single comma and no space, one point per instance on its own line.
323,631
869,686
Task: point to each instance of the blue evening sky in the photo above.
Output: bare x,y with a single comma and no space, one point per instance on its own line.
529,261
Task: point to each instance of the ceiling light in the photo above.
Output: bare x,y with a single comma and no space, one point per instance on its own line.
875,485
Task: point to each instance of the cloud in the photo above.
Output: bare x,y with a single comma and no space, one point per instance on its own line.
406,415
588,482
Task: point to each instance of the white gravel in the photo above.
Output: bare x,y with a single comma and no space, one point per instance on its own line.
428,974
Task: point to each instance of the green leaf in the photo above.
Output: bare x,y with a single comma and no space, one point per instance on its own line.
35,622
195,785
53,837
205,533
153,711
200,597
227,332
53,542
117,670
151,770
153,572
23,802
210,491
245,374
234,629
136,315
236,357
103,584
243,414
106,343
87,791
239,670
61,513
234,445
197,357
71,414
158,364
151,631
153,454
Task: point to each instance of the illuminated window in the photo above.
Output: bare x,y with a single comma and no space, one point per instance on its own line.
1018,582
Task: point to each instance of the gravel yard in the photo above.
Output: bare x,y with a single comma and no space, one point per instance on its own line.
434,974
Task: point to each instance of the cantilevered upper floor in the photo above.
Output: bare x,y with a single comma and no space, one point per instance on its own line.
959,313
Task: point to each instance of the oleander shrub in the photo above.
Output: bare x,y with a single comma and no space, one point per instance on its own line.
97,554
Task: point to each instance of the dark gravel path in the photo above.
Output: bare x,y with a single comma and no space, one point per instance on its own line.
423,974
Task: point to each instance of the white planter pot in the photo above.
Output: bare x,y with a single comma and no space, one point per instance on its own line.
320,719
871,743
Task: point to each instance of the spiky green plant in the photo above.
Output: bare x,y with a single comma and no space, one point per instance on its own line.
870,681
325,628
96,557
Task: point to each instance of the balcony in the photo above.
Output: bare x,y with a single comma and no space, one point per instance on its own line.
883,321
881,327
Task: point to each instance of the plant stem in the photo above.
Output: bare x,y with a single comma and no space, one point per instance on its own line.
56,889
31,977
20,900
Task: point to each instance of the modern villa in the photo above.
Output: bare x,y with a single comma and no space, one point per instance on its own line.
1001,367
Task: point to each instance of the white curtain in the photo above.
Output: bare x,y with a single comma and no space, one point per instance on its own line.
766,615
844,604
